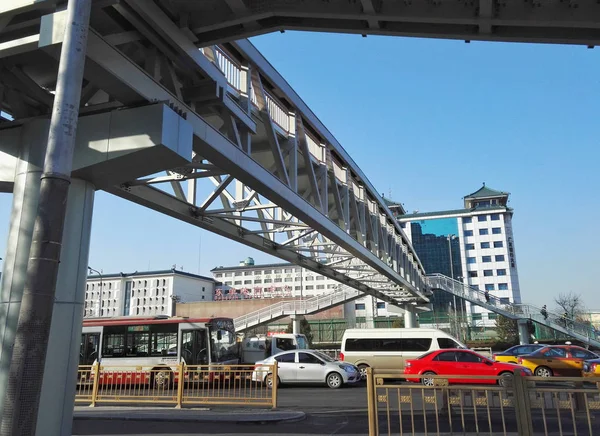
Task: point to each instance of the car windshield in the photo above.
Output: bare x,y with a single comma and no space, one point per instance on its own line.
302,345
323,356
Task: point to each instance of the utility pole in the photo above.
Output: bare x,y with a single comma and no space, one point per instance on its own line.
101,288
26,373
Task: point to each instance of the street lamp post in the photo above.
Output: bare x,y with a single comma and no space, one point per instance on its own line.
449,238
101,288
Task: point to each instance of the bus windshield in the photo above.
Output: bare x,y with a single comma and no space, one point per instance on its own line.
223,344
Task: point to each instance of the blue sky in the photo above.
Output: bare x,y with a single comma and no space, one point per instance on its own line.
427,121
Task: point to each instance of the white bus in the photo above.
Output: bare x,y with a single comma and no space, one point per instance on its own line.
157,344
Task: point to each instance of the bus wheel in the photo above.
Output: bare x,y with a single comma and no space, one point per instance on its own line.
162,378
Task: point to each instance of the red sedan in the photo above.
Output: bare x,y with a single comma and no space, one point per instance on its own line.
461,362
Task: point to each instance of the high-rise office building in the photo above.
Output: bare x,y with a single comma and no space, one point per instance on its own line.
474,245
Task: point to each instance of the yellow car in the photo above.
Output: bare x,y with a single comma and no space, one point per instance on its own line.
511,355
591,368
557,360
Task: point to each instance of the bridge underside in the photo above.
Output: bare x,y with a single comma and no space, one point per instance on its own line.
554,21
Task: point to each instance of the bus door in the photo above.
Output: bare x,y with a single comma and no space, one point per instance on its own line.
194,347
88,351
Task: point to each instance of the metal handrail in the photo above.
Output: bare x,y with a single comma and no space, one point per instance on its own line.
514,310
296,307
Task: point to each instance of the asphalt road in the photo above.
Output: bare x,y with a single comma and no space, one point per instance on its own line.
342,412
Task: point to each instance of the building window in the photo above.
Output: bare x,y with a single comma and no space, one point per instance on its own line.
257,281
485,245
380,305
505,300
488,272
320,286
467,220
237,282
483,232
287,279
489,287
500,258
495,217
267,271
309,278
496,230
310,287
359,306
471,260
482,218
247,282
238,273
469,246
277,271
477,316
468,232
247,273
320,277
501,272
297,279
218,275
492,316
498,244
297,288
268,280
472,274
287,270
486,259
503,286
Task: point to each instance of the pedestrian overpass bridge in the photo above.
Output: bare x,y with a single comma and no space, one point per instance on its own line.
516,311
214,137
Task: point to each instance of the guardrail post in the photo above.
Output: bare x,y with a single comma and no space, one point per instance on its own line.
371,410
180,384
522,405
96,371
275,385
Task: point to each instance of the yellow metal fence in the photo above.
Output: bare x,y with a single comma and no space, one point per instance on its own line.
525,406
180,385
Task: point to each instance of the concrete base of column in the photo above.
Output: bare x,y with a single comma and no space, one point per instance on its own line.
55,414
523,331
410,317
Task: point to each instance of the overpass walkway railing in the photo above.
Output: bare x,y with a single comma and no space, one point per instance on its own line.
583,332
309,306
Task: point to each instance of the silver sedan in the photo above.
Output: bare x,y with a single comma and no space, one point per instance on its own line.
306,366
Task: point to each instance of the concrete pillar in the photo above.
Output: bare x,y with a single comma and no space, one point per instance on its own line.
523,331
26,193
410,317
55,416
296,320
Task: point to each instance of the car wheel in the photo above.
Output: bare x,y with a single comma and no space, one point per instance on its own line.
363,371
506,379
428,381
269,381
334,380
543,371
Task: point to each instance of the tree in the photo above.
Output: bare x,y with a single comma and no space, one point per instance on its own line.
398,323
572,304
507,329
304,330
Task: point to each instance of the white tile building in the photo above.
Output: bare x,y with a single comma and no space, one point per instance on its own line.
474,245
248,280
144,293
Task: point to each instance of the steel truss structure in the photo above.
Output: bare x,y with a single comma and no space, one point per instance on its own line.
279,181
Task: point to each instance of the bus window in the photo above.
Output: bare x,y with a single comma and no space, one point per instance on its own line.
193,347
223,346
88,351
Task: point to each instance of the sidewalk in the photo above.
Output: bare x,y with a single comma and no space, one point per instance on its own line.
170,414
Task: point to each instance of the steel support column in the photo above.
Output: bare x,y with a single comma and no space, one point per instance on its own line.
523,331
26,193
55,415
296,320
410,317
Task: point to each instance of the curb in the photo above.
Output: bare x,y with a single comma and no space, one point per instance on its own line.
193,416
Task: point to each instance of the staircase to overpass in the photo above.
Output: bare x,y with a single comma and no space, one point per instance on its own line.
577,330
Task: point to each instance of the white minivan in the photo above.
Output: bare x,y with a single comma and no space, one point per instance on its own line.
388,349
